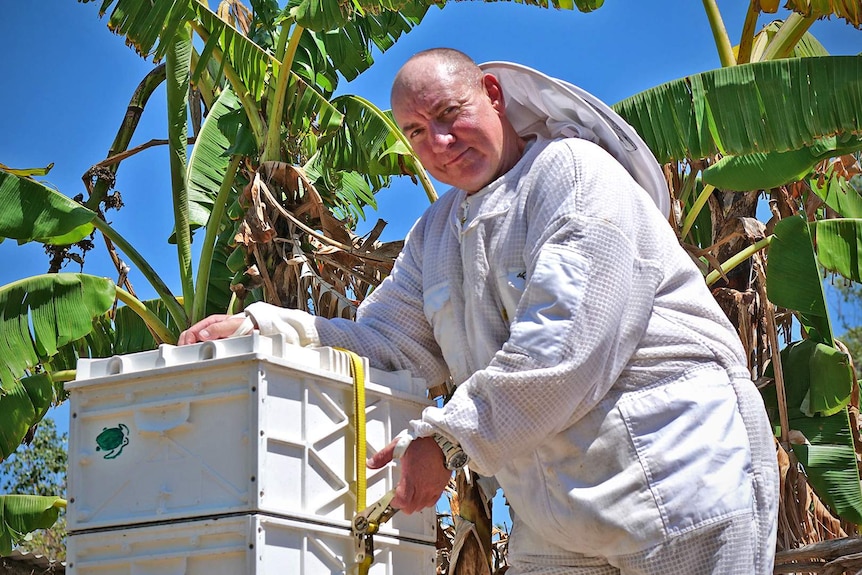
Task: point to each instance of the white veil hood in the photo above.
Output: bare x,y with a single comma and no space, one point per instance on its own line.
537,104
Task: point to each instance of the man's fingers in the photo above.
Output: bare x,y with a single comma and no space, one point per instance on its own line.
382,457
217,326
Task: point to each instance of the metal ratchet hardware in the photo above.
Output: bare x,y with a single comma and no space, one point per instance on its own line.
368,521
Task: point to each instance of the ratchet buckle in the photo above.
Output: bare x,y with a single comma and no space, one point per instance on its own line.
367,522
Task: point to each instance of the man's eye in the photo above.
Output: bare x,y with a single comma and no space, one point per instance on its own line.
415,133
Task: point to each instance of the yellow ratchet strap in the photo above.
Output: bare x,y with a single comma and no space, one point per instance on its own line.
364,547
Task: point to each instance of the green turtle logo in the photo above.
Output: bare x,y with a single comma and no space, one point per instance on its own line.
112,440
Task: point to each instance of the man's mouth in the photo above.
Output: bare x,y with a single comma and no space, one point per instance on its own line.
456,159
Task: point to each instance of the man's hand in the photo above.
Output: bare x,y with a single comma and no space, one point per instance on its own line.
423,474
217,326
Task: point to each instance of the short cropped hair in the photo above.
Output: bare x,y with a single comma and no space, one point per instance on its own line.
459,65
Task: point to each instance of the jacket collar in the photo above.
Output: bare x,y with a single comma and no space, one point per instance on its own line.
540,105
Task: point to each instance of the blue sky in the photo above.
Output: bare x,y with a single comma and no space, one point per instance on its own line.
66,81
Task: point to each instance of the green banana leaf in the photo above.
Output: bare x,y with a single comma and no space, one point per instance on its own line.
22,405
763,107
818,383
793,280
178,72
347,38
132,334
818,378
312,63
249,60
308,113
839,246
145,24
43,312
307,106
48,322
842,195
324,15
21,514
365,143
149,28
349,34
829,380
209,159
98,343
34,212
763,171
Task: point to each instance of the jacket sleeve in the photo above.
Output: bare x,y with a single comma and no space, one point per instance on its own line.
585,306
391,329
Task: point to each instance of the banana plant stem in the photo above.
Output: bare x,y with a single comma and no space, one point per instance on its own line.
64,375
151,319
746,39
272,148
212,231
692,214
737,259
127,129
719,33
174,308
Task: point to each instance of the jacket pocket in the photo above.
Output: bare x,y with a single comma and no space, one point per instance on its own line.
440,312
692,443
510,286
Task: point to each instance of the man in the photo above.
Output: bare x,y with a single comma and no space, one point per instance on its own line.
597,380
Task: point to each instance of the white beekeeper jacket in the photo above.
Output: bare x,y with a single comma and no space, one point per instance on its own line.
592,364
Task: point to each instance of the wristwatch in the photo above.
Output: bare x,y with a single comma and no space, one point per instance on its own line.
452,453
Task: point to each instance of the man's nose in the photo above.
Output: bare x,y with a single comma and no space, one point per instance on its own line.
441,136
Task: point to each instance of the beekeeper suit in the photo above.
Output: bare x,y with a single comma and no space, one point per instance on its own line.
597,379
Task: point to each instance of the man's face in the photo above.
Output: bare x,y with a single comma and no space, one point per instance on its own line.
455,128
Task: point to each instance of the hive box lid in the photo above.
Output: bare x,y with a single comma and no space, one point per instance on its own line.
253,346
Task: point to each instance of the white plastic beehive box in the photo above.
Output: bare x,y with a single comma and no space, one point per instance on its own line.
242,545
242,425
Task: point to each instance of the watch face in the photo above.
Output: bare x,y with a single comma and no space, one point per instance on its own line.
457,461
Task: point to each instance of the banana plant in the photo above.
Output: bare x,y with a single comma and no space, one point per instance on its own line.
282,97
781,117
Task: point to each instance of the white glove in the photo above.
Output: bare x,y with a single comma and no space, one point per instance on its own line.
405,438
296,326
245,328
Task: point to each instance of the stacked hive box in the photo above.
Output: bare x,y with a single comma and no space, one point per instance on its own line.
234,456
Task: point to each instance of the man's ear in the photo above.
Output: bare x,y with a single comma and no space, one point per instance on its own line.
494,91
